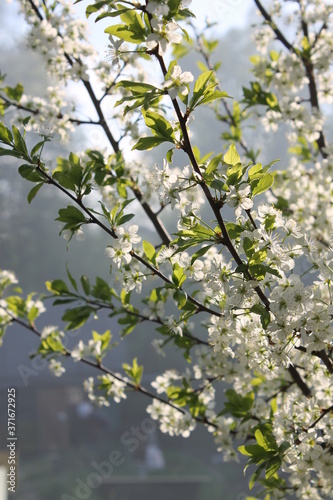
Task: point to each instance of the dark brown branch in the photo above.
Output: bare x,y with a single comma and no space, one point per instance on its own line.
308,66
299,381
187,147
159,226
229,119
36,112
324,412
278,33
110,232
321,355
130,385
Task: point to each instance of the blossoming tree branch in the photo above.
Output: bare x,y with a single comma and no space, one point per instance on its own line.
249,256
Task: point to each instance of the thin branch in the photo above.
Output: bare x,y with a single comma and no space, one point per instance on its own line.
308,66
159,226
187,147
278,33
319,33
102,305
299,381
230,120
93,219
324,412
104,369
309,69
36,112
321,355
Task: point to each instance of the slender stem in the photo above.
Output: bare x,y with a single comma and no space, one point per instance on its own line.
279,35
299,381
77,121
159,226
321,355
214,206
229,118
101,305
309,69
110,232
104,369
227,241
307,63
324,412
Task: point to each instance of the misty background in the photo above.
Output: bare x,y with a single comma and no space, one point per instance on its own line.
60,434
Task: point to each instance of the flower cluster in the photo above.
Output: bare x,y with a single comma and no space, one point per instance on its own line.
121,249
258,274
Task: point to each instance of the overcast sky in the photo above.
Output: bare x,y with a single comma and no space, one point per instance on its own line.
227,13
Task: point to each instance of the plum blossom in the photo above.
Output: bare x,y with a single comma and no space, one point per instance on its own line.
239,198
178,82
93,348
112,52
56,368
159,8
163,34
119,252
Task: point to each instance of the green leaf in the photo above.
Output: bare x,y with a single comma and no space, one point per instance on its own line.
135,371
234,230
178,275
9,152
50,345
234,174
204,89
37,147
132,32
232,157
64,180
19,141
94,7
26,121
272,467
260,270
158,125
199,87
266,441
147,143
169,155
29,173
149,250
252,450
255,172
124,218
132,19
85,284
200,253
33,314
32,193
213,95
268,166
77,317
256,476
213,164
180,297
5,134
264,183
105,338
57,287
265,317
71,215
14,93
71,279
